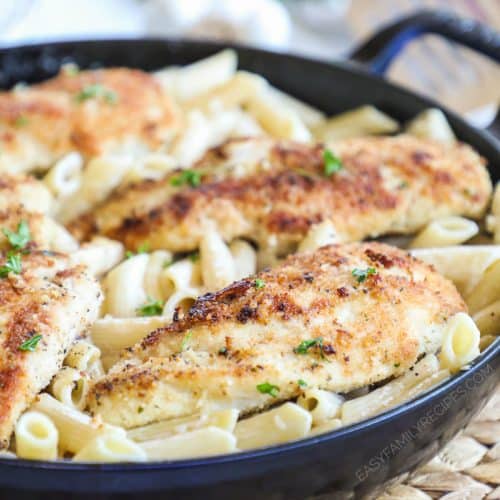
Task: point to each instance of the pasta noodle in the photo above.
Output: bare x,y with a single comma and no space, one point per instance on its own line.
154,284
199,443
99,255
85,357
431,124
446,231
322,405
64,178
487,289
36,437
365,120
460,342
222,419
244,258
318,236
70,387
378,400
217,264
75,428
284,423
111,448
488,319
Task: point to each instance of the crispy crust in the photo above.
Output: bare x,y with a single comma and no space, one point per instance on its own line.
242,336
48,298
51,115
387,185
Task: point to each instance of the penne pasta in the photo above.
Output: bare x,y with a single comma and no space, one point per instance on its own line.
36,437
380,399
222,419
75,428
153,278
70,387
365,120
284,423
446,231
100,255
85,357
460,342
319,235
322,405
488,319
431,124
198,443
326,426
244,258
111,448
487,290
464,265
217,264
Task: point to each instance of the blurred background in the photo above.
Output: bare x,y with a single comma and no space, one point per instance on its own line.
325,29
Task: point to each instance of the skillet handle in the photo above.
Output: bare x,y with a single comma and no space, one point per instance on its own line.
378,52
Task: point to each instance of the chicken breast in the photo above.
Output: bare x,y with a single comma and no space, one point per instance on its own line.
26,191
94,112
44,232
273,192
42,311
311,318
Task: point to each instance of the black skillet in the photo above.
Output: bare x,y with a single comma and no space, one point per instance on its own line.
343,464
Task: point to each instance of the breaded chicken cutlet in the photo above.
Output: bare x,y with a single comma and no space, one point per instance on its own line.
272,192
42,310
93,112
357,327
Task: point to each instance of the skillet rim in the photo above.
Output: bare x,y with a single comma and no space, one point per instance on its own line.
357,71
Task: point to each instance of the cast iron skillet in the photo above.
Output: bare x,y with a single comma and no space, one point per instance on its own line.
351,461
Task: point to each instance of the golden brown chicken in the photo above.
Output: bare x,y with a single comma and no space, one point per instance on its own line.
273,192
339,318
93,112
42,310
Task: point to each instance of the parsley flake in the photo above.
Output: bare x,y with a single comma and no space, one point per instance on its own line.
185,340
19,239
332,163
12,265
21,121
302,383
267,388
190,177
151,308
30,344
142,248
97,90
362,274
305,345
194,257
259,283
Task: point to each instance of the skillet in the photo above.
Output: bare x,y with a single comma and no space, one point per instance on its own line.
349,462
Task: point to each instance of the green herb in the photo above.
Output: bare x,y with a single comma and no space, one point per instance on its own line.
140,409
191,177
223,351
302,383
30,344
185,340
332,163
194,257
259,283
21,237
397,365
362,274
168,263
151,308
267,388
305,345
21,121
12,265
142,248
403,185
97,90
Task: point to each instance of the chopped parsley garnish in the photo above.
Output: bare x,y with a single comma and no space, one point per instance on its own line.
397,365
21,121
332,163
362,274
30,344
142,248
302,383
259,283
97,90
194,257
19,239
151,308
305,345
191,177
185,340
12,265
223,351
267,388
